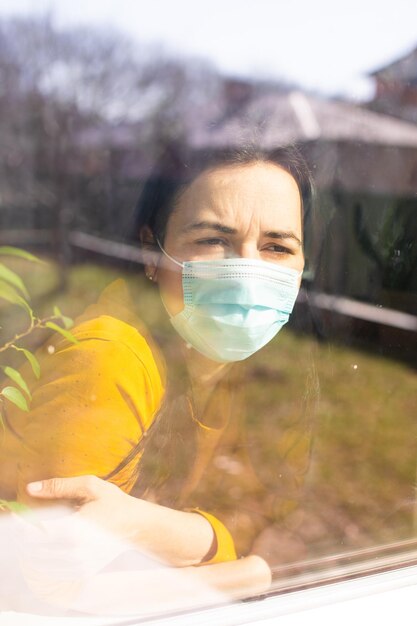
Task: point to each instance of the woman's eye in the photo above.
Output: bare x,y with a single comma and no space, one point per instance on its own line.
213,241
278,249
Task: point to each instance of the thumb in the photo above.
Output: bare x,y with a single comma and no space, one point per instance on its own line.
76,489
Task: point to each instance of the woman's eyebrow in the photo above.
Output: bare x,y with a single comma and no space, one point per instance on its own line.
282,235
217,226
228,230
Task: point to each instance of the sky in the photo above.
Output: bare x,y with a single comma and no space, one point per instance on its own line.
327,46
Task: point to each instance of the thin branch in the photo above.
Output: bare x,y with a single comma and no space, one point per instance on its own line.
34,325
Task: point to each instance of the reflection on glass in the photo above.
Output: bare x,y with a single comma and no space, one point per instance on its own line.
192,424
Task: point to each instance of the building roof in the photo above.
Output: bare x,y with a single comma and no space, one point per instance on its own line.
403,69
282,118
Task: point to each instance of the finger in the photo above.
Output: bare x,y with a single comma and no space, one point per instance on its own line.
79,489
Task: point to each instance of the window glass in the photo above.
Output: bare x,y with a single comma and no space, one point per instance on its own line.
211,435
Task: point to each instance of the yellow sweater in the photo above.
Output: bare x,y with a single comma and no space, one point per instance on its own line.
92,406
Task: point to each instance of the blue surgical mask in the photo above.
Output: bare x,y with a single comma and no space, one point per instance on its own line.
233,307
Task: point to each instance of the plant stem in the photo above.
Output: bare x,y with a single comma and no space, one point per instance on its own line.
34,325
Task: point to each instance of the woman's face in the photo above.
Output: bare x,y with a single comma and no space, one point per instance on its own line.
251,211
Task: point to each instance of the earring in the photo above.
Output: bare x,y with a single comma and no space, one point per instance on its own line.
149,276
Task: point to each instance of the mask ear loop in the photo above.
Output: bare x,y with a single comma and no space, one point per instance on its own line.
176,263
168,255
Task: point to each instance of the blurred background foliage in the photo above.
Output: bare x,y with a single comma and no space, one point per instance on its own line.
83,113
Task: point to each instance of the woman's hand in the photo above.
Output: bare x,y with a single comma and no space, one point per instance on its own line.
176,537
98,501
172,536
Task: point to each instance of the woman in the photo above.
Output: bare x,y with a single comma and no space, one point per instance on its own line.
223,242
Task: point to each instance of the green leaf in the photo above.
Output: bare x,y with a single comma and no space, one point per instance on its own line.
62,331
32,360
13,506
23,254
17,378
67,321
15,396
14,279
9,293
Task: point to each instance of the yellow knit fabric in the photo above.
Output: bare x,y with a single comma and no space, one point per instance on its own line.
92,406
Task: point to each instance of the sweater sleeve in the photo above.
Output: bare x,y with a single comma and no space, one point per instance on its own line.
91,408
223,548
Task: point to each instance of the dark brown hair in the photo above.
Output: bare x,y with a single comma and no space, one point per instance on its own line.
178,168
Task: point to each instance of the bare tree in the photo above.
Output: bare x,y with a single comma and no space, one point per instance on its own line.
73,103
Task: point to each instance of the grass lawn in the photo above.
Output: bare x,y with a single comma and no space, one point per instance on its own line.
360,408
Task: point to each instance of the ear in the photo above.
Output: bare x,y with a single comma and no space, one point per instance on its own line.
150,254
